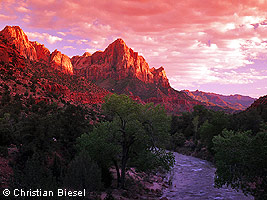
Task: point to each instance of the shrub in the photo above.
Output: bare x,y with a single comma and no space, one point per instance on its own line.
83,173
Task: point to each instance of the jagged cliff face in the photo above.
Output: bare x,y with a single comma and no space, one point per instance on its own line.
42,53
15,37
118,69
61,62
118,62
39,77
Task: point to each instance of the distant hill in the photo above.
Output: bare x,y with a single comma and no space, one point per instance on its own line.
231,103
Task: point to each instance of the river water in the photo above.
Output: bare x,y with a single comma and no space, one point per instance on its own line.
193,179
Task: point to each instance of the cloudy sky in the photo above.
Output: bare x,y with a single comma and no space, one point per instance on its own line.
209,45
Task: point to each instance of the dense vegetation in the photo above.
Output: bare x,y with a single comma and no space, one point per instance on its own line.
55,143
236,143
241,161
59,147
42,136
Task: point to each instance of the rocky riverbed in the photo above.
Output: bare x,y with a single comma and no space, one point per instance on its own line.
193,178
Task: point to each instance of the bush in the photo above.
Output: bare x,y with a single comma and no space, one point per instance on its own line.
178,139
83,173
34,174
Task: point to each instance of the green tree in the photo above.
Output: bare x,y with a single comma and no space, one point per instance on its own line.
207,132
249,120
212,127
133,132
195,123
241,161
178,139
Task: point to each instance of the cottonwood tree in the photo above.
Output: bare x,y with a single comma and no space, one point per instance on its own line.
133,136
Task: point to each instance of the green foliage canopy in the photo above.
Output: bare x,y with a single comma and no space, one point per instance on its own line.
133,136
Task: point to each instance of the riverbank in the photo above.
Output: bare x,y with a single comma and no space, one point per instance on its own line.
199,151
140,186
193,179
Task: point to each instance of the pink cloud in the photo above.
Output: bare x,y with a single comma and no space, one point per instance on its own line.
22,9
43,36
69,47
7,18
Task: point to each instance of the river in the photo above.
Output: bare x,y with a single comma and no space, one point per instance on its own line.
193,178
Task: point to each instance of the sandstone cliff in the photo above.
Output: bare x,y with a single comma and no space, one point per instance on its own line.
19,40
43,54
61,62
13,36
118,62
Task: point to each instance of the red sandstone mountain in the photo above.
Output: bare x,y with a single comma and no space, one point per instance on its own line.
118,69
118,62
15,37
121,70
30,71
43,54
231,103
61,62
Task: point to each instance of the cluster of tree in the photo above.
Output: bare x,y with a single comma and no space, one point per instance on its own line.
199,127
42,137
237,143
241,161
58,147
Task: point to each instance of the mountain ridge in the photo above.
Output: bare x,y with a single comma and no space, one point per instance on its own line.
30,73
35,51
235,102
117,69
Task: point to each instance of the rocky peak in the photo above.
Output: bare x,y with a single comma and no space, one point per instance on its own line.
86,54
16,33
117,62
160,76
15,36
119,46
41,51
61,62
